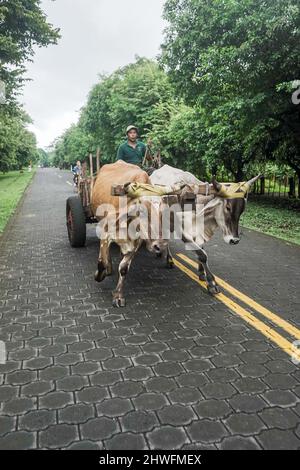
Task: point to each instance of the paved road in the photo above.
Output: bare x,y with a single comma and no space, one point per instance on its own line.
175,369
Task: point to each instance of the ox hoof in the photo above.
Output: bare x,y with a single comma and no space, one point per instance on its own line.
214,290
100,276
170,264
119,303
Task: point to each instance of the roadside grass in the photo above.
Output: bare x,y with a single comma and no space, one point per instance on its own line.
12,186
280,219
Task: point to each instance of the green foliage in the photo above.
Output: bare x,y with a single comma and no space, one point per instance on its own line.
43,158
128,96
139,94
12,186
73,145
17,144
23,25
236,60
177,130
222,100
268,217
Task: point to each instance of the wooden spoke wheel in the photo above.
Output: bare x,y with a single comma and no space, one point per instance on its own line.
76,224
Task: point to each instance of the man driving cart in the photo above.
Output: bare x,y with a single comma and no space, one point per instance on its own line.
133,150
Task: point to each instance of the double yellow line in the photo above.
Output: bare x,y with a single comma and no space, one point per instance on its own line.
250,318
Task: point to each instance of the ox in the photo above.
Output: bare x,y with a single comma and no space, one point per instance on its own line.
107,207
218,212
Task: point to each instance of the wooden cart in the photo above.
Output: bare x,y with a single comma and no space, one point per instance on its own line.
78,208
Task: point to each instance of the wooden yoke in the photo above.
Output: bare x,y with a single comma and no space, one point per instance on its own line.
121,191
185,192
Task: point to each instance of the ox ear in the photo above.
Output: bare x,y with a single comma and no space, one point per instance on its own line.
217,186
253,180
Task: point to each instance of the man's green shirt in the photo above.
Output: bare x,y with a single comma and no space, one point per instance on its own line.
130,154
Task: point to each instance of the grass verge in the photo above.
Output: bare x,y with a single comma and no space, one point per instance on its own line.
280,219
12,187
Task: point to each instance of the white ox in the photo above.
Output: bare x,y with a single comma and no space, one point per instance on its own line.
217,212
168,175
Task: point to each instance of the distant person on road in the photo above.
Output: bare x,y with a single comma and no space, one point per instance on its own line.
76,172
133,150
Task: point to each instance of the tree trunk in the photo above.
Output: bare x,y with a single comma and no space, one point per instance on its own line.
292,187
262,185
298,176
240,174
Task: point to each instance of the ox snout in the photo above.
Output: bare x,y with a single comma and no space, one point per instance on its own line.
157,247
231,240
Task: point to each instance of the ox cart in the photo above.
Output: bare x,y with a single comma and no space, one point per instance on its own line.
79,210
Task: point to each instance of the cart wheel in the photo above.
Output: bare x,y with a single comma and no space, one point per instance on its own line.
76,224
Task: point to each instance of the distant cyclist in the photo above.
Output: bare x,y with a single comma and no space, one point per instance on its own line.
76,170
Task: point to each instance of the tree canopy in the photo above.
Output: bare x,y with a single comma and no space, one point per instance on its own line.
128,96
23,25
218,98
237,60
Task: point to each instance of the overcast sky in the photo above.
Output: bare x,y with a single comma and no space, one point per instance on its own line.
97,36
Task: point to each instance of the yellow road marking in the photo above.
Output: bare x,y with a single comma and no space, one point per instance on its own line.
292,330
271,334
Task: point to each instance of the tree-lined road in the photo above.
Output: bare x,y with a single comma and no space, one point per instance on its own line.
175,369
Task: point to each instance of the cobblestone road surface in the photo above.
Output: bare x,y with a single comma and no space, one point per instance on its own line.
175,369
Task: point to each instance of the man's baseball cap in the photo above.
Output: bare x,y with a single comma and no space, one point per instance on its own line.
131,128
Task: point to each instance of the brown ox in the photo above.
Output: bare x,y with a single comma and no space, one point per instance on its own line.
120,173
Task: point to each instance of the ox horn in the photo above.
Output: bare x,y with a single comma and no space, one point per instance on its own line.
217,186
253,180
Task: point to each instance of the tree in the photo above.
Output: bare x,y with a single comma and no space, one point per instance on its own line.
43,158
73,145
139,93
9,138
26,152
17,144
128,96
178,131
23,25
236,60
